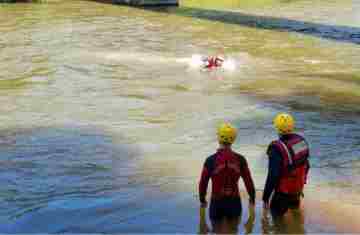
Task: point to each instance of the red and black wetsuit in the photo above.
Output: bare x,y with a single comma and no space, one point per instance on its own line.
225,168
213,62
284,179
210,63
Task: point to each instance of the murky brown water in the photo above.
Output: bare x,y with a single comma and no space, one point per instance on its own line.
105,125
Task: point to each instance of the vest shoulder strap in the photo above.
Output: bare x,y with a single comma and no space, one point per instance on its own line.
286,150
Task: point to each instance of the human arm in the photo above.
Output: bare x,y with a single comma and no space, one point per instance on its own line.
203,184
249,183
273,173
307,168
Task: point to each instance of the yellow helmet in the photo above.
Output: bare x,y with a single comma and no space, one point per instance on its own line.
226,133
284,123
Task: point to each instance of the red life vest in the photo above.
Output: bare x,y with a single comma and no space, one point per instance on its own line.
211,63
295,153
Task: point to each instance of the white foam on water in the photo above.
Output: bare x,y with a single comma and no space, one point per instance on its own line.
197,61
135,56
229,65
312,61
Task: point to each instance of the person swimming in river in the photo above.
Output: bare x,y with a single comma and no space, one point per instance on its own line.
213,62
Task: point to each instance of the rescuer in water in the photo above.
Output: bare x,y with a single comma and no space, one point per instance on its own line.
288,168
225,168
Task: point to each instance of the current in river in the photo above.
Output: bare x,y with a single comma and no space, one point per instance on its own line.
105,122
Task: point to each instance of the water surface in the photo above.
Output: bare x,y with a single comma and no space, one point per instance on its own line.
105,126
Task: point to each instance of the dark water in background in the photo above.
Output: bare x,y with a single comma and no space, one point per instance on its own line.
104,126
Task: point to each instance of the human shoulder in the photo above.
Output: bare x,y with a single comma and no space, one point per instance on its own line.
210,160
241,158
273,146
302,138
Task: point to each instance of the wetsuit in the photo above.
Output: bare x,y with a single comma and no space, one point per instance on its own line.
281,201
225,168
213,62
210,63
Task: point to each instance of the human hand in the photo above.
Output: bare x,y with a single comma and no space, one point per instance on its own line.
249,225
266,205
251,208
251,205
203,227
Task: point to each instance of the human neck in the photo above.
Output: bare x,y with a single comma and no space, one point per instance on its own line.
223,146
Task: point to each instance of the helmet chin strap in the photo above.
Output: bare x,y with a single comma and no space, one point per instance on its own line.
280,134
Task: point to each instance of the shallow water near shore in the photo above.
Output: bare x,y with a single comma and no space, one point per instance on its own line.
104,124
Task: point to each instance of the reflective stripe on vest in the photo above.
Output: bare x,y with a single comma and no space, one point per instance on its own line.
287,152
294,153
299,147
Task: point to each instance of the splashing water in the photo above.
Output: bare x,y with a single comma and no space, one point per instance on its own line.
197,61
229,65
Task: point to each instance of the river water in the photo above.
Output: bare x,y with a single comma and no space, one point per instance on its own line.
105,124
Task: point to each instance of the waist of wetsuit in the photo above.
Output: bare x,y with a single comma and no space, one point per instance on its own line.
289,195
216,198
